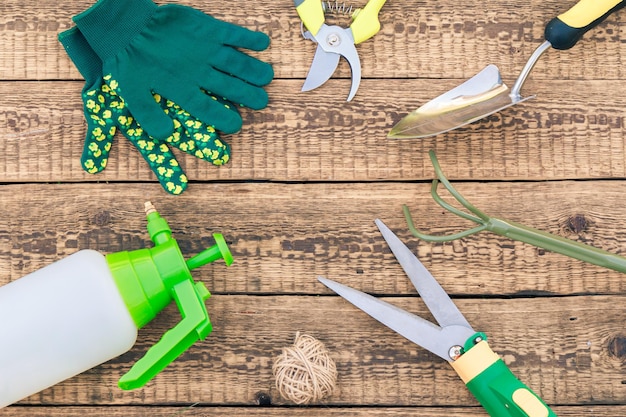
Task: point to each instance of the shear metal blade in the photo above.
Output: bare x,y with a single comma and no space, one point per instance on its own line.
333,42
352,56
431,337
435,297
322,68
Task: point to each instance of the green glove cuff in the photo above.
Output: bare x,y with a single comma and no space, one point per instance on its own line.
84,58
110,25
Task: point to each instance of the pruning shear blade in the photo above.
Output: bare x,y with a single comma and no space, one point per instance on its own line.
322,68
431,337
434,296
453,329
332,39
480,368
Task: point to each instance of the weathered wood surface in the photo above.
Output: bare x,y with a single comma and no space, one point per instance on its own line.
569,348
566,349
418,39
307,178
201,411
283,235
302,137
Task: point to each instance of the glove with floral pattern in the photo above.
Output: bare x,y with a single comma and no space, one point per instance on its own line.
106,112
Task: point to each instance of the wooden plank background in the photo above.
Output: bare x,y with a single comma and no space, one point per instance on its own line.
308,176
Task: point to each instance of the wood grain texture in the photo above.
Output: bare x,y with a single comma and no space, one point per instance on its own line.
308,176
283,235
579,136
418,39
254,411
561,347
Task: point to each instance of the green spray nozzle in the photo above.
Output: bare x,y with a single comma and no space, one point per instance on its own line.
149,279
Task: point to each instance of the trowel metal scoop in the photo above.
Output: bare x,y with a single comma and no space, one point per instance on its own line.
485,93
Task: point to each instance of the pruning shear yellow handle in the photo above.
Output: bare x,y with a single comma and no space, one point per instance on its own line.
311,13
366,23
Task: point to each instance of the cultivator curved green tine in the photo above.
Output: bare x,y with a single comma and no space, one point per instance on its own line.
509,229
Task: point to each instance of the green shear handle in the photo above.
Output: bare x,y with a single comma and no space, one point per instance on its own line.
565,30
495,386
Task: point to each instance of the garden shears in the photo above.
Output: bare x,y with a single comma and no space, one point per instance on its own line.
454,340
334,42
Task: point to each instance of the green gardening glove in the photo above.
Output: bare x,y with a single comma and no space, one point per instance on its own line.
106,112
176,51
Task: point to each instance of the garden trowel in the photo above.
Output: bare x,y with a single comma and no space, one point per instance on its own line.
485,93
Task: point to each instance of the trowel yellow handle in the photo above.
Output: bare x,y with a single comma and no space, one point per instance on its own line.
565,30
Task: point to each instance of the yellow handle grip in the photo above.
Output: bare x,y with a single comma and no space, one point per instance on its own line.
565,30
495,387
585,12
311,13
366,23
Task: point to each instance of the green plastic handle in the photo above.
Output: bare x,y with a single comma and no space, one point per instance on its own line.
565,30
557,244
366,23
311,13
148,279
496,388
194,326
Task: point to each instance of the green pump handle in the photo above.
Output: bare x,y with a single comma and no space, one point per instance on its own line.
149,279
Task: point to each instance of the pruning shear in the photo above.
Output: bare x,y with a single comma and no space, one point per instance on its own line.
454,340
334,42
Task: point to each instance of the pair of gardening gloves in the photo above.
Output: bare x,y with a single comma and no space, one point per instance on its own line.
163,75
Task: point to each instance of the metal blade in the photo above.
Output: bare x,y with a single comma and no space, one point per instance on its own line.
322,68
350,53
478,97
435,297
418,125
333,42
419,331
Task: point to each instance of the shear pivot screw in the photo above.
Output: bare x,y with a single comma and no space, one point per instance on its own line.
455,352
333,39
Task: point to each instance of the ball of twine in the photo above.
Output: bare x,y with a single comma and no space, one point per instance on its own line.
305,372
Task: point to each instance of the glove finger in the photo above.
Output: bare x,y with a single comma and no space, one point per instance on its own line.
166,168
241,37
160,159
195,137
233,89
243,66
100,128
191,98
231,34
156,153
141,103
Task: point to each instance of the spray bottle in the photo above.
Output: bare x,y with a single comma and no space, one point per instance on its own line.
85,309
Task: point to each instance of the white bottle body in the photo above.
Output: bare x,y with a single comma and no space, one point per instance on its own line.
60,321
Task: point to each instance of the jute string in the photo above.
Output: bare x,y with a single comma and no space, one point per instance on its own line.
305,372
